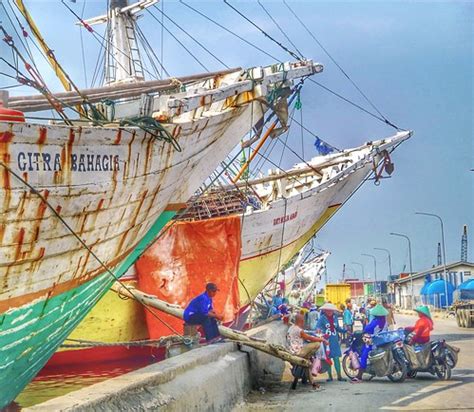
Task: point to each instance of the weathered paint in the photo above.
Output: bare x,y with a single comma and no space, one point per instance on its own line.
29,335
267,246
111,186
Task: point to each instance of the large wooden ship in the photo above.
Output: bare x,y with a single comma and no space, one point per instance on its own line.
281,213
80,199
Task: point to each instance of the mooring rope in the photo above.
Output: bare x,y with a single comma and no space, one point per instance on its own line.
164,341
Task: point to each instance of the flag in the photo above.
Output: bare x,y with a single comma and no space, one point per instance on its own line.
322,147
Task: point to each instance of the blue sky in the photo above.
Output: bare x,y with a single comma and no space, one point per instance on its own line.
414,60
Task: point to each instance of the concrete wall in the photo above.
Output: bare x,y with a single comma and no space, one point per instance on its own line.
210,378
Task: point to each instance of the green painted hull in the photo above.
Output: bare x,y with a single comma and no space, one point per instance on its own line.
30,335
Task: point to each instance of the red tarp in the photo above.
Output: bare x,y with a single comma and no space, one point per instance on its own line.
186,257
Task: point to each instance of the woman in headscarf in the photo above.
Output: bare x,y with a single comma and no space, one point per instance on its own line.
329,327
378,324
423,326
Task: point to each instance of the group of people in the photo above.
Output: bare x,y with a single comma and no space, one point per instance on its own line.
316,332
326,331
322,327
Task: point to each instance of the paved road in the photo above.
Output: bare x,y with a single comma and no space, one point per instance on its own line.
424,393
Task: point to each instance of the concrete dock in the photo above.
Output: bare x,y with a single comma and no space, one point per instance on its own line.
225,377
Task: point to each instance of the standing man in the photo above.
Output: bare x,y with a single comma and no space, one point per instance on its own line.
347,319
201,312
390,316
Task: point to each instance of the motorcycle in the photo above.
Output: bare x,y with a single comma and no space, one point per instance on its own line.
451,355
385,359
436,357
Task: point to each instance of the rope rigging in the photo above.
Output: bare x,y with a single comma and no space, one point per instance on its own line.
152,126
279,28
291,53
382,117
83,54
95,34
162,38
163,341
229,31
177,40
355,105
25,36
192,37
147,45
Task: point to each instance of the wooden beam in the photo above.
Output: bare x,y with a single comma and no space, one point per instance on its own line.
236,336
127,90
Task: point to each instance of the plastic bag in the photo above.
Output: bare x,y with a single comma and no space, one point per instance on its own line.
316,366
355,364
380,361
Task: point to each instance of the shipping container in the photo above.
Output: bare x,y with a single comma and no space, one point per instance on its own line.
382,287
369,289
337,293
357,288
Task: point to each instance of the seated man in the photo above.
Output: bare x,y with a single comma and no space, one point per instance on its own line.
277,301
200,312
296,337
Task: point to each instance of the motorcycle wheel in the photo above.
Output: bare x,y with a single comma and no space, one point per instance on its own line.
443,371
347,366
450,360
399,372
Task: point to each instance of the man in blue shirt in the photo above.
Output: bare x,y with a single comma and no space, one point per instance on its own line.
200,312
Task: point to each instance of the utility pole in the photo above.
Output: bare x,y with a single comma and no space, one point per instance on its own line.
389,260
362,268
375,270
464,245
444,254
411,264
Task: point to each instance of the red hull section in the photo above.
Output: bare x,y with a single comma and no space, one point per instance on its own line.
99,357
186,257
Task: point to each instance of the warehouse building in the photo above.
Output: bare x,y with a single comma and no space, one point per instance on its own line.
458,272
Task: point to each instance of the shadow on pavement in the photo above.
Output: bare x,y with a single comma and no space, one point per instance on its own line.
460,378
451,337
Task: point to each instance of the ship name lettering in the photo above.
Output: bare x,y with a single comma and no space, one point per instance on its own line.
48,162
95,163
283,219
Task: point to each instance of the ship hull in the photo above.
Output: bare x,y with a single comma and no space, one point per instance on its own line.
43,265
270,238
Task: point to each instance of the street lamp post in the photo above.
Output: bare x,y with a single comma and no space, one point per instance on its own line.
375,269
389,259
353,271
362,267
444,251
411,264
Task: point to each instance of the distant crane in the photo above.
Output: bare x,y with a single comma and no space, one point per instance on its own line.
464,245
439,254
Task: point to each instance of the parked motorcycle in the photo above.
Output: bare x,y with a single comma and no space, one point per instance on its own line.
385,359
452,355
435,357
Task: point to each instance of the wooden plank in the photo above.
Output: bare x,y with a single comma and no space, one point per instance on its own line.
239,337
